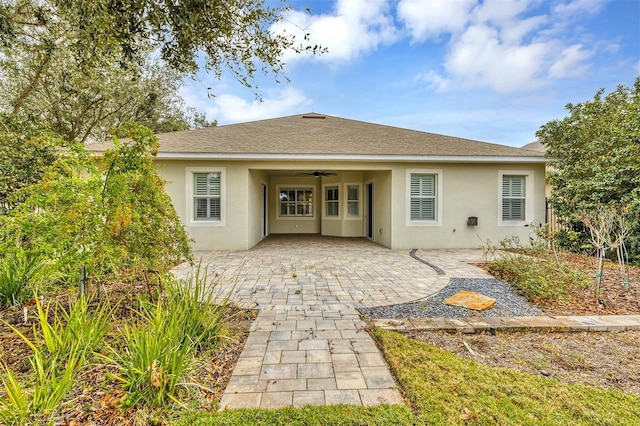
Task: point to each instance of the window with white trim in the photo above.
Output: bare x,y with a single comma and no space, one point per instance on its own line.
514,197
353,200
207,196
423,194
331,200
296,202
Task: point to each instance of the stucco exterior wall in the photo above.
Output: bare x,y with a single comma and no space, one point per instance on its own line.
466,190
232,232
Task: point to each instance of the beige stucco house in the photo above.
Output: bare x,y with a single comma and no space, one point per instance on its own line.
233,185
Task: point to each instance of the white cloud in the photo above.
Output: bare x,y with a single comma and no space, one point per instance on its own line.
506,45
578,7
571,62
500,11
229,108
354,27
434,81
479,58
428,19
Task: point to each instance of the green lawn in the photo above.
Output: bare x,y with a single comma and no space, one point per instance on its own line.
446,389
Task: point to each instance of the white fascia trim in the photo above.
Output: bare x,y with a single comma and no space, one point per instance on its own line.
345,157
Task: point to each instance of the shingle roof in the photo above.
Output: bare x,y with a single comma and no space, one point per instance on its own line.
317,134
535,146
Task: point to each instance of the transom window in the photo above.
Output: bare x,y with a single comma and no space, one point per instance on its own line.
206,196
514,193
331,201
296,202
423,196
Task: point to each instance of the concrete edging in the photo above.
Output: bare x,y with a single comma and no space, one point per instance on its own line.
493,324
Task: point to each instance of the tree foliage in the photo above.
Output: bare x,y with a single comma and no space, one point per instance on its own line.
140,219
116,220
84,65
597,147
26,149
85,102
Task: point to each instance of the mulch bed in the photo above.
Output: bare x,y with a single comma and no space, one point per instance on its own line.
97,400
613,298
608,360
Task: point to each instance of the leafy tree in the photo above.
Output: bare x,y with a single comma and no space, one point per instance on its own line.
140,220
78,63
597,147
60,219
84,103
26,149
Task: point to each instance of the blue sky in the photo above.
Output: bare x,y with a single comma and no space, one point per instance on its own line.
492,70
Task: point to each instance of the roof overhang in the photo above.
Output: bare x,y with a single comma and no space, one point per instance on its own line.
354,158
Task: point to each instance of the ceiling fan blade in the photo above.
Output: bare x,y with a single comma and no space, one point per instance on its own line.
316,173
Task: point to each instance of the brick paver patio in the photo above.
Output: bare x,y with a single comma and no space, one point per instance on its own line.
307,345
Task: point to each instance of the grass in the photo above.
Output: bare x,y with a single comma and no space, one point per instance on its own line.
308,415
444,389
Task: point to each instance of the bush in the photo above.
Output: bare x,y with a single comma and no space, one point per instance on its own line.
117,222
540,278
19,276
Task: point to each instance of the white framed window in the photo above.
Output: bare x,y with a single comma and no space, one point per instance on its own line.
205,196
295,201
353,192
515,197
424,197
331,201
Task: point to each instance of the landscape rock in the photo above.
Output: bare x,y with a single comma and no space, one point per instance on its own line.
471,300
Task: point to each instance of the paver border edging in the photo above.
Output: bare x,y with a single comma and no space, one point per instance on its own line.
594,323
438,270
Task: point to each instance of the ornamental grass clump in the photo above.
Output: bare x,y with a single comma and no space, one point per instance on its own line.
19,275
61,341
159,348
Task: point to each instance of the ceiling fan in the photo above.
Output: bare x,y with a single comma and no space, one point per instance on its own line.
317,173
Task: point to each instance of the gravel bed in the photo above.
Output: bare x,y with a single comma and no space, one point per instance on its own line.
508,302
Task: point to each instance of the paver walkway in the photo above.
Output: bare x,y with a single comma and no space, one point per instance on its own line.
307,344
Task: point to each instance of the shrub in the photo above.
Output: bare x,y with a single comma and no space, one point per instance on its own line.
540,278
19,274
201,315
117,221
